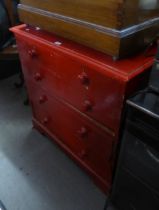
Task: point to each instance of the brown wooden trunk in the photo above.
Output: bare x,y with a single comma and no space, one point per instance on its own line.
94,23
110,13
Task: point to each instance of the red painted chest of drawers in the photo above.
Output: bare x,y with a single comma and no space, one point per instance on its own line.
77,96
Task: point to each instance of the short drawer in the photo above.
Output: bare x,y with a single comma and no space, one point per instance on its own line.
87,141
88,87
34,53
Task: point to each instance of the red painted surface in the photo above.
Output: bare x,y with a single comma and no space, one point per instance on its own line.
77,96
88,142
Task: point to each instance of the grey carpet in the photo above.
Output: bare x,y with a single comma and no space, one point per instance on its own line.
34,173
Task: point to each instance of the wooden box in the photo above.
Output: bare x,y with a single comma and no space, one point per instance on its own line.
115,27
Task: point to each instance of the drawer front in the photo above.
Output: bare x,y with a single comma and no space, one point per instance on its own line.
90,89
82,137
34,54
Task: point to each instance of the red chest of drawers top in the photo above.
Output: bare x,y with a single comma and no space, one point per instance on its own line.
124,69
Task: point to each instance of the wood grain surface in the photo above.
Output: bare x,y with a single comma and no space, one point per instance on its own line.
116,14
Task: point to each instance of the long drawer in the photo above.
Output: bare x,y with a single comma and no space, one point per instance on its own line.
81,136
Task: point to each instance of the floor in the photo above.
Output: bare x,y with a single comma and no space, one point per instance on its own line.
34,173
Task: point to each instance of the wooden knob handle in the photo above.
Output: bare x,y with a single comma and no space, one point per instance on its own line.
37,77
88,105
32,53
45,121
42,99
84,78
83,132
